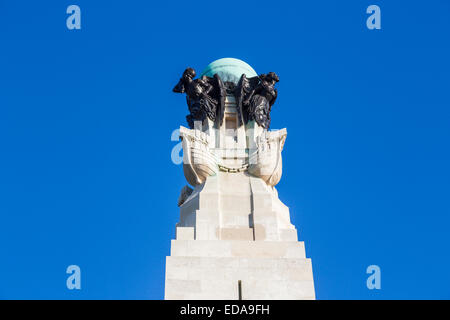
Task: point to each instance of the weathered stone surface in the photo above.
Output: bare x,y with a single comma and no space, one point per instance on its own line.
236,206
201,277
234,228
238,248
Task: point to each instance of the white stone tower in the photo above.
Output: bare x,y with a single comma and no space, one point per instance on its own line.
234,239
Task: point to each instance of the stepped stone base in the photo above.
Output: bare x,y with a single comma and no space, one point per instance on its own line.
238,269
235,240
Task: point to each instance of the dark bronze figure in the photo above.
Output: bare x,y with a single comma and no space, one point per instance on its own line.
255,97
205,96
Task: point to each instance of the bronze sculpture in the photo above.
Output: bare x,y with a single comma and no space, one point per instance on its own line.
255,97
205,97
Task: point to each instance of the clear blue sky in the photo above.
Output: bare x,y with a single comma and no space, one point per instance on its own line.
86,117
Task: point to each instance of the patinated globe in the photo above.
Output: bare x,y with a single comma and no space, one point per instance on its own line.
229,69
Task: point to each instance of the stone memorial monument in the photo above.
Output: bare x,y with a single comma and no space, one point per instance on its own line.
234,239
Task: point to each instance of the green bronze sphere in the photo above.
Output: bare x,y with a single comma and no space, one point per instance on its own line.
229,69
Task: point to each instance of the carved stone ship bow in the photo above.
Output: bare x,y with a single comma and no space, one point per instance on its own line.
229,120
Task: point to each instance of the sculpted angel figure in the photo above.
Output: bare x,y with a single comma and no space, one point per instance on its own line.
204,96
255,97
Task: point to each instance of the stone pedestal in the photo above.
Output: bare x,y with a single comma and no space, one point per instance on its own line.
238,269
235,241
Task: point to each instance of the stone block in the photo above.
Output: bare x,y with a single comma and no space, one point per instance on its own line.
288,234
236,233
261,278
185,233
